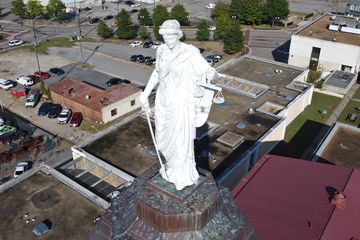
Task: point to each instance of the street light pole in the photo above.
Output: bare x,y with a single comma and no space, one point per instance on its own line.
79,37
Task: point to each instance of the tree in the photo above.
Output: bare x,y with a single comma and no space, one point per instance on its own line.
248,11
125,27
19,8
143,32
220,9
202,33
159,16
179,13
103,30
275,9
56,9
223,27
234,39
35,8
144,17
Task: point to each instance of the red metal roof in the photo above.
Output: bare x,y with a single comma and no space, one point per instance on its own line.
77,91
287,198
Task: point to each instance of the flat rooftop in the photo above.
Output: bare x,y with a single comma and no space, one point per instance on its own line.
319,29
339,79
43,197
231,128
286,198
91,96
341,146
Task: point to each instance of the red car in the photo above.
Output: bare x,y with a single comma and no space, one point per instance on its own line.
41,74
75,119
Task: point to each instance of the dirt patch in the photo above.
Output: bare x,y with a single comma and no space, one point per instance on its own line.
45,199
22,62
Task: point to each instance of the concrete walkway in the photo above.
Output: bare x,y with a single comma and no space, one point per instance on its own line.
308,154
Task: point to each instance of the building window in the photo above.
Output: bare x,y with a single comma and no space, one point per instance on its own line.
132,102
113,112
346,68
314,58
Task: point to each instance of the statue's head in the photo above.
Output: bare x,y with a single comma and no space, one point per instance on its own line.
171,32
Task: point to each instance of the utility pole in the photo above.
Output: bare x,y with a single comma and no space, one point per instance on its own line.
35,41
79,37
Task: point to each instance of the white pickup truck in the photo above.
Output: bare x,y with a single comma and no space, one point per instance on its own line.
32,98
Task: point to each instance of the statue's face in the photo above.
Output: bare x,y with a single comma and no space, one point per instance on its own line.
171,40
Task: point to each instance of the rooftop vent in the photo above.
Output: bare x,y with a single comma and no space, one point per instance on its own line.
231,139
87,97
251,110
104,101
339,200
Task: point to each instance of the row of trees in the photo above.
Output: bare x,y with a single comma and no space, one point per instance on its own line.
54,9
256,11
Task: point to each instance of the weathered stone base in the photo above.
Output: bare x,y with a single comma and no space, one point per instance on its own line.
151,209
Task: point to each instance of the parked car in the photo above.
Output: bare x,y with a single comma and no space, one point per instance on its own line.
155,45
15,42
32,98
141,59
35,79
126,81
6,84
42,228
114,81
57,71
215,60
41,74
129,3
135,44
135,5
44,108
64,116
133,10
75,119
216,56
54,111
212,28
108,17
24,80
150,61
94,20
21,167
210,6
134,58
148,44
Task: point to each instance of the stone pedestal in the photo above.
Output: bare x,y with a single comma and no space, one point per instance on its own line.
151,208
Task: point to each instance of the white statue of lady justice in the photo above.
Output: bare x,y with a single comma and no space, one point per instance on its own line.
179,70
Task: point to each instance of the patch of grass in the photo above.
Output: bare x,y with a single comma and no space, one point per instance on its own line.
350,108
313,112
55,42
301,132
93,127
357,94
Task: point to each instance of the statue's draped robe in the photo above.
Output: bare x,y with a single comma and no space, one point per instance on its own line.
178,72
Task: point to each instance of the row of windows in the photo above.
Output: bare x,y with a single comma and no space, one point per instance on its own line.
114,111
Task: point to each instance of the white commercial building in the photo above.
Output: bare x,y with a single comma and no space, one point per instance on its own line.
328,44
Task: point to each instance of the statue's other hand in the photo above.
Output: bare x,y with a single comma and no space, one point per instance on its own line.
143,98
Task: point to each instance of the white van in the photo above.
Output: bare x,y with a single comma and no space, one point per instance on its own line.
24,80
6,84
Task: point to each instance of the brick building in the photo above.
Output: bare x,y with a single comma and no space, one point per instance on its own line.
94,103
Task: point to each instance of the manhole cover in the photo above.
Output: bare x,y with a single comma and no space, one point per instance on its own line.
47,198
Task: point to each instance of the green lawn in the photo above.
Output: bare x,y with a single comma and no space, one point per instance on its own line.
313,112
301,132
55,42
350,108
357,94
